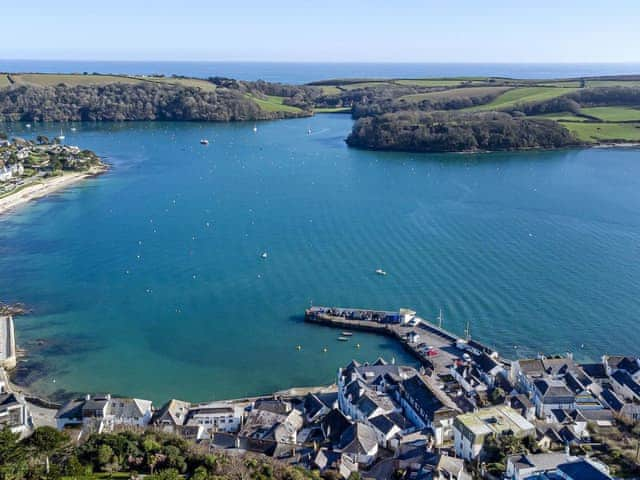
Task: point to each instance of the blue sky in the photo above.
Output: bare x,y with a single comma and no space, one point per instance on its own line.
323,30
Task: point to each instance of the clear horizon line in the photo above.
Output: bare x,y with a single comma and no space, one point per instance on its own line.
354,62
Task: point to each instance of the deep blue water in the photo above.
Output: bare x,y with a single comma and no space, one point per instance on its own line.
537,250
308,72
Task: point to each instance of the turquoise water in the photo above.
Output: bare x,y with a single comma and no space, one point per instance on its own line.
536,250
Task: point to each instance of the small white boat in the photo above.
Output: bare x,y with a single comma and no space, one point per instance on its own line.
346,334
343,339
73,129
28,125
255,128
379,271
204,141
61,136
264,255
309,132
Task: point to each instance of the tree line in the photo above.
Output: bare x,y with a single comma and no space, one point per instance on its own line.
50,454
123,101
418,131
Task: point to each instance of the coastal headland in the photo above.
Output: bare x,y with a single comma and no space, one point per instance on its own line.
30,170
415,115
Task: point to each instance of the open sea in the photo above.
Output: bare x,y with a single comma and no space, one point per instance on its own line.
149,281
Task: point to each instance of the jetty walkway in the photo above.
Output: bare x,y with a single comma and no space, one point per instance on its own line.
435,348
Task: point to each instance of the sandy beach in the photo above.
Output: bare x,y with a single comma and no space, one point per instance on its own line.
46,187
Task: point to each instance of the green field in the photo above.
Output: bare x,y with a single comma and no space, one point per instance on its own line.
518,96
330,89
462,92
46,79
273,104
613,83
561,116
605,132
354,86
431,82
333,110
561,83
185,82
613,114
4,81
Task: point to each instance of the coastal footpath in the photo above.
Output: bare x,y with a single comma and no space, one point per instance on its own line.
463,412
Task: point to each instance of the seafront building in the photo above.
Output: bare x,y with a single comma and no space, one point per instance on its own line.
471,430
430,419
103,413
14,413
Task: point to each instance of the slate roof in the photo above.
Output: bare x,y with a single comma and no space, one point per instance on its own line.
8,400
542,462
312,405
554,391
594,370
582,470
382,423
93,404
174,411
612,399
72,410
620,362
520,402
129,407
532,366
485,362
428,396
629,364
597,415
334,424
558,366
624,378
359,438
326,458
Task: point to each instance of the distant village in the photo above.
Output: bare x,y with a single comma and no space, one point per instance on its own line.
463,413
23,162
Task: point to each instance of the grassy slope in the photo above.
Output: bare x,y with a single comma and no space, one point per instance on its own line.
45,79
330,89
274,104
333,110
613,83
613,114
354,86
185,82
454,93
561,116
605,132
431,82
4,81
522,95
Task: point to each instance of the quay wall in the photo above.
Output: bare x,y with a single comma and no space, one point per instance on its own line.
8,358
367,326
